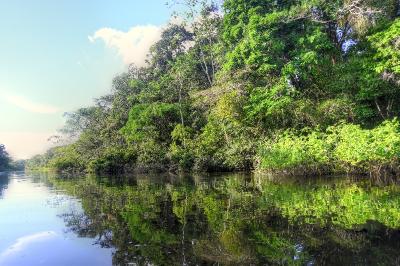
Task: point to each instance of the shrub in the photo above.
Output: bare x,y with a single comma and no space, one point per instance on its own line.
375,151
334,110
67,159
225,142
152,156
155,120
341,148
296,154
114,160
182,149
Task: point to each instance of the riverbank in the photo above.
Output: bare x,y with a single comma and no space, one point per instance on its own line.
345,148
231,102
341,149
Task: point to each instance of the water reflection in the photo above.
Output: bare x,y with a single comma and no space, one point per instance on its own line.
31,233
4,180
237,219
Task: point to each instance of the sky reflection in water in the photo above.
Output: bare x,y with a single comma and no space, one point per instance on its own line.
32,231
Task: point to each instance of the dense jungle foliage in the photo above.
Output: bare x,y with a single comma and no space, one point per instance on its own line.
295,87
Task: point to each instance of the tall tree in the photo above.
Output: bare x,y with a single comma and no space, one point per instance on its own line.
4,158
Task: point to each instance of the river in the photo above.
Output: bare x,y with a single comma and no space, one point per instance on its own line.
230,219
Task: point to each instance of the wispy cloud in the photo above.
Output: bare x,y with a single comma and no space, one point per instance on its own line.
29,105
133,45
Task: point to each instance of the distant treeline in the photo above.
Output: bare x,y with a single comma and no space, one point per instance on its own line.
294,87
7,164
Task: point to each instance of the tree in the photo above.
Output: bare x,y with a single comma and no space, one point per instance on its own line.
387,45
4,158
222,81
173,43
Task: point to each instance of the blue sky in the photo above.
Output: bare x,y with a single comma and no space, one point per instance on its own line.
56,56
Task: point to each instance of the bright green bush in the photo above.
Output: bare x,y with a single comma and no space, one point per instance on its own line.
387,45
67,159
366,150
296,154
341,148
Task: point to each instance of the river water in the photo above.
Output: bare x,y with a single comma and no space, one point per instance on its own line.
232,219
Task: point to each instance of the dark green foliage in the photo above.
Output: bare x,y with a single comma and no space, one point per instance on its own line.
182,149
5,159
113,160
67,159
265,84
225,143
171,45
155,121
18,165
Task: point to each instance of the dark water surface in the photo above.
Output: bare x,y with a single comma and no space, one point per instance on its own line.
198,220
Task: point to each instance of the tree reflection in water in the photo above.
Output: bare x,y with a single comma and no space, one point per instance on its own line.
4,180
237,219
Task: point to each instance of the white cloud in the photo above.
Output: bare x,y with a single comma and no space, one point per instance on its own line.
30,106
133,45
